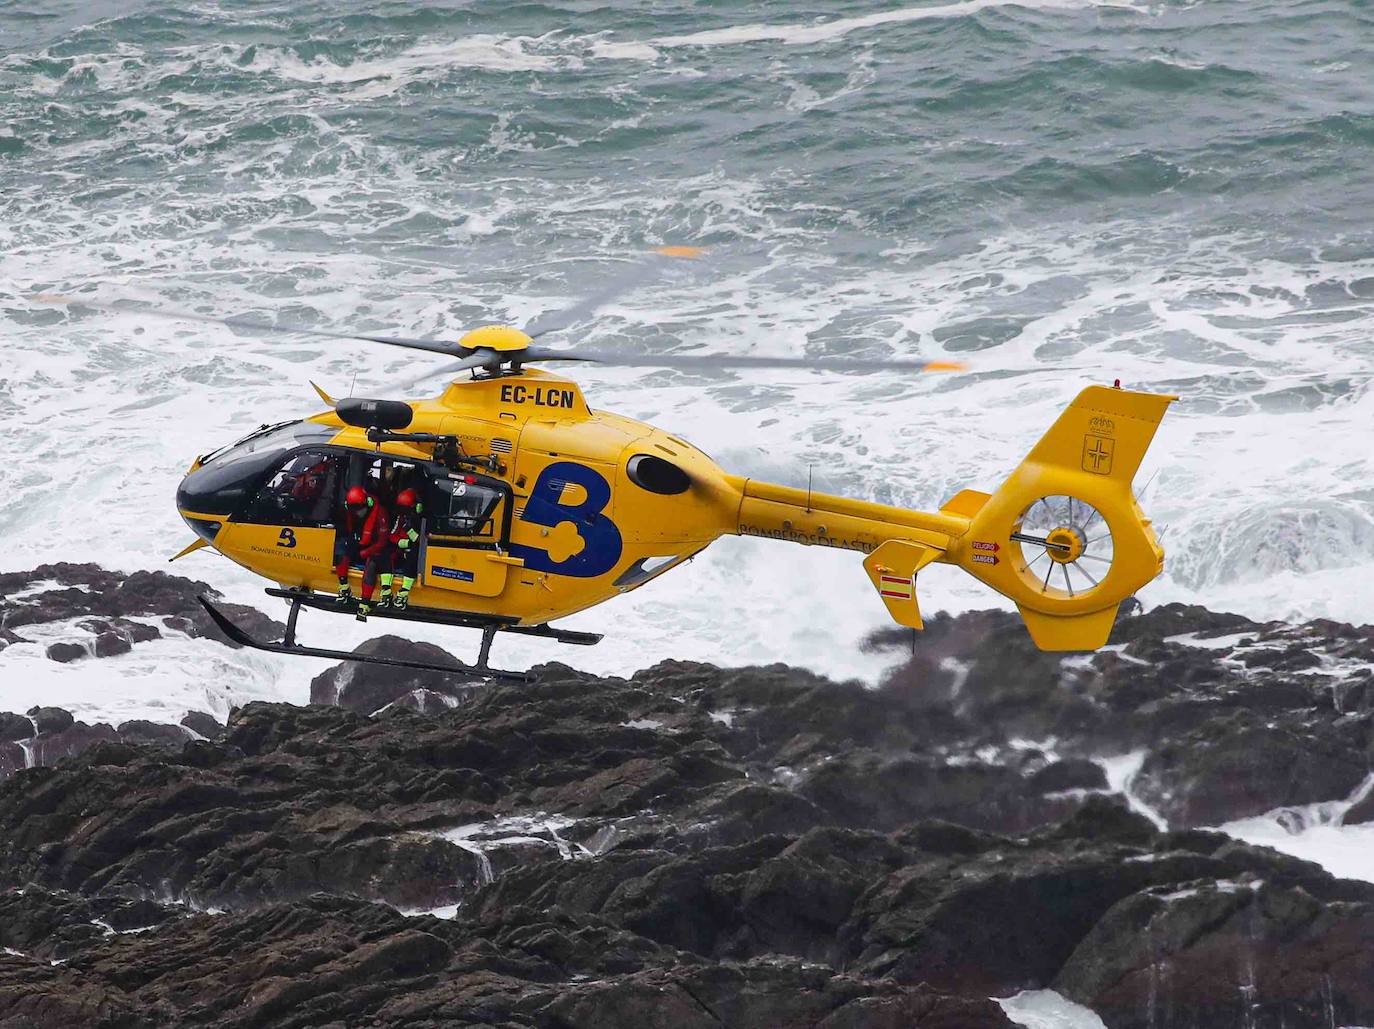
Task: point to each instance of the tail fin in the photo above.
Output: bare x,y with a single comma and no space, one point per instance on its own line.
1064,536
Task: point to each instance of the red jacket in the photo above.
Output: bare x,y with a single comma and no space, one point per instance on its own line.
404,526
369,529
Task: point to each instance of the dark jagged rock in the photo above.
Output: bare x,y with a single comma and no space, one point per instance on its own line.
66,653
334,961
12,759
1243,952
1231,729
50,719
1073,774
1245,764
111,644
109,601
883,793
203,724
51,747
1361,811
141,730
696,845
368,688
132,632
111,610
422,701
15,727
56,925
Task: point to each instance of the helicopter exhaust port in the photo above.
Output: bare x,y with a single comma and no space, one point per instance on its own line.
657,475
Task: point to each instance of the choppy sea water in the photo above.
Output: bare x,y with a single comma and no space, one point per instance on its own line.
1059,192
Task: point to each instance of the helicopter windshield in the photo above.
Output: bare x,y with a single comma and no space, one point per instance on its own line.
230,475
262,436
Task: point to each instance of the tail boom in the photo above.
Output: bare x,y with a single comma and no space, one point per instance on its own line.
1038,539
820,519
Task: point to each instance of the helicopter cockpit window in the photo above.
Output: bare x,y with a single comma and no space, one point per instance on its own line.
268,439
301,492
461,508
228,479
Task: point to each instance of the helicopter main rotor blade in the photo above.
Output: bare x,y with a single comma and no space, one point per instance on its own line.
477,359
710,362
638,273
436,346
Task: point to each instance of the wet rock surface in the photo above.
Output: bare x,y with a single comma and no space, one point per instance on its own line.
372,688
704,846
107,604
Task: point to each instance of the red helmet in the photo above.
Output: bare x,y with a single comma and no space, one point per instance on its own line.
357,496
406,498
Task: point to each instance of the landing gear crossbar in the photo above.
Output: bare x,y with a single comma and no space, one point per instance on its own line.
431,616
288,644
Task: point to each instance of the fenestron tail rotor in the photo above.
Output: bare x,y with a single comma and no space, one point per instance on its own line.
493,347
1066,546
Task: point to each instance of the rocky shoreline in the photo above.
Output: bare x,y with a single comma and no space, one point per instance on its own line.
696,845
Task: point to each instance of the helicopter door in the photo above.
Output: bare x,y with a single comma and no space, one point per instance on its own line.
467,519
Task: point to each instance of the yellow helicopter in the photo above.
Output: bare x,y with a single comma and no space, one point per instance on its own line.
530,506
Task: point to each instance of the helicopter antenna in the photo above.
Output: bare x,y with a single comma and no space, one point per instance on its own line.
353,385
808,487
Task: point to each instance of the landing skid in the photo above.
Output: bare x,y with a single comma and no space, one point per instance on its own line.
434,616
481,670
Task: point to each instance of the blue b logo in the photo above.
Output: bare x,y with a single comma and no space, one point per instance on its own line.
287,539
601,543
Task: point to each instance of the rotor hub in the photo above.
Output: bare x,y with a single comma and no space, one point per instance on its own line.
1066,544
504,339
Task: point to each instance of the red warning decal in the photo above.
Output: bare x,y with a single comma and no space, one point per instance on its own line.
985,559
984,545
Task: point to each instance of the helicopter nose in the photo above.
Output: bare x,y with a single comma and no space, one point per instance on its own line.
193,505
210,493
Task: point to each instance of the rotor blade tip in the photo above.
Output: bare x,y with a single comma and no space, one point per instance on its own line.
945,366
680,251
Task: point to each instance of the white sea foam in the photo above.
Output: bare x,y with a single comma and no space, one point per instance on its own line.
484,51
160,680
1121,772
1314,832
796,34
1046,1009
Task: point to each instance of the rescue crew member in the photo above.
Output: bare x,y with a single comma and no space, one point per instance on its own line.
361,539
404,537
310,483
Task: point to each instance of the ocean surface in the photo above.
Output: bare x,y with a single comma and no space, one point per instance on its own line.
1058,192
